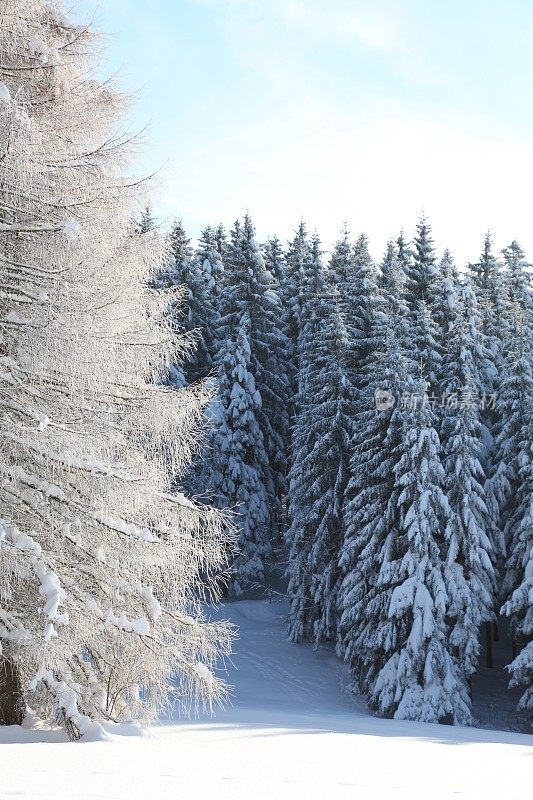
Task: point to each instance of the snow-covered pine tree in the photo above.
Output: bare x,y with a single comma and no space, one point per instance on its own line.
518,580
422,298
274,260
513,389
250,289
445,293
363,305
146,221
203,301
512,488
487,283
392,281
322,440
298,261
422,269
416,677
484,363
405,255
513,405
174,274
469,570
426,348
341,264
102,569
221,241
516,278
370,518
239,460
176,268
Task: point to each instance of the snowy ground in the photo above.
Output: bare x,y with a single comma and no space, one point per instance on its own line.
293,732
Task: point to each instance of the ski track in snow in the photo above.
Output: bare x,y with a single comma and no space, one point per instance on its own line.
293,731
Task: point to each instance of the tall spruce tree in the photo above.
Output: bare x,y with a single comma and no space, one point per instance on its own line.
204,288
418,678
422,296
298,261
239,458
341,265
422,270
364,301
322,436
249,290
470,551
370,519
518,579
487,283
512,486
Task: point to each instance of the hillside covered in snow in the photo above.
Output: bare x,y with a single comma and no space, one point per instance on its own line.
292,731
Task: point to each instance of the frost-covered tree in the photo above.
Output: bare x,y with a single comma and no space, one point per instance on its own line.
221,241
250,288
275,261
370,518
203,302
392,282
469,570
298,261
146,221
396,637
102,567
364,304
418,678
175,271
487,283
422,268
425,347
512,489
423,300
322,441
341,264
239,458
518,580
513,406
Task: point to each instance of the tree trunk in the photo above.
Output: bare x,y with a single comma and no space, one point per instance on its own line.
11,700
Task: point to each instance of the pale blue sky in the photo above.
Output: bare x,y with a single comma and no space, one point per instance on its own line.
365,110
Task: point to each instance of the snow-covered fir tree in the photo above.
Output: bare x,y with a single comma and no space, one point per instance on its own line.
392,282
364,303
250,290
487,283
322,439
341,264
102,567
146,221
239,458
274,260
422,269
298,261
512,487
417,677
203,302
422,296
176,268
519,571
370,519
470,550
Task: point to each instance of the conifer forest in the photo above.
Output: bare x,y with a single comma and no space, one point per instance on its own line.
251,485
